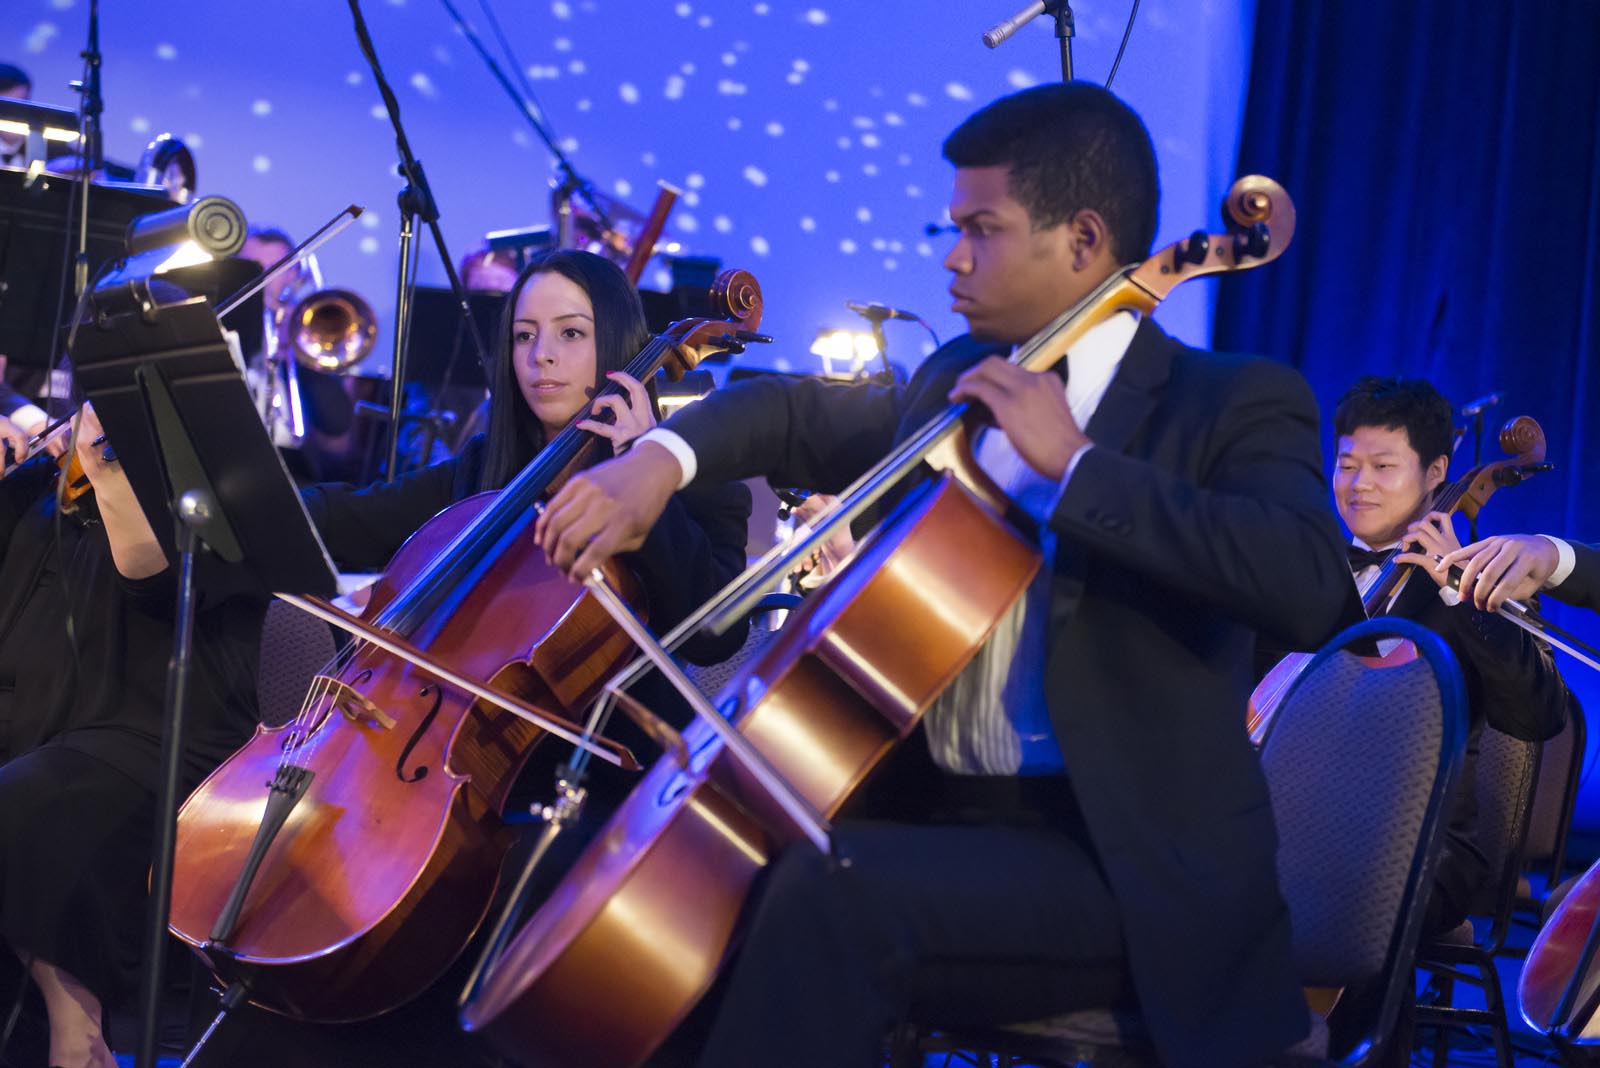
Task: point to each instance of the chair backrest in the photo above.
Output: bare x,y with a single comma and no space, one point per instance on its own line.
1507,769
711,679
1554,793
295,646
1360,763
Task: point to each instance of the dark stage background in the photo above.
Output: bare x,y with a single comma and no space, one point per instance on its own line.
1445,160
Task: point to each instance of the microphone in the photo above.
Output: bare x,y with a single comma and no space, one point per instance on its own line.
997,35
879,312
1488,400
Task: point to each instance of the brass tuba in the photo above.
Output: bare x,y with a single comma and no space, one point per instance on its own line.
331,330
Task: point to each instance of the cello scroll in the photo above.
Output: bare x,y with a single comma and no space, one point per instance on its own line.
1259,217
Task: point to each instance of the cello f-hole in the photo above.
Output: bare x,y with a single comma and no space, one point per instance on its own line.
416,736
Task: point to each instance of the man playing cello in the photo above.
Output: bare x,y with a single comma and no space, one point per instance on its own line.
1092,827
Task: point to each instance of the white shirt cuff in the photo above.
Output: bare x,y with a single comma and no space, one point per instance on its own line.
1566,561
679,449
32,415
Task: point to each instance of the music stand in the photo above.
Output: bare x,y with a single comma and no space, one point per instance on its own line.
35,253
439,337
176,409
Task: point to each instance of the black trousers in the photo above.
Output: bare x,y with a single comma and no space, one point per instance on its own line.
995,912
75,841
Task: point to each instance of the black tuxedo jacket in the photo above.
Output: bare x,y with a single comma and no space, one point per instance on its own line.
1199,518
1582,586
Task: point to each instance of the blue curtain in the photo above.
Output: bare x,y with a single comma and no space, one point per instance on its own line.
1445,162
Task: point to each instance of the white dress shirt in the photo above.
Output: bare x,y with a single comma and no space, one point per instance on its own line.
994,718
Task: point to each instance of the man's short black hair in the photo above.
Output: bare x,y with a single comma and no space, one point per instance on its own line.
12,76
1399,403
1069,147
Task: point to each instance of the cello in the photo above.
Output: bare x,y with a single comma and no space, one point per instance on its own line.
351,883
1523,440
635,933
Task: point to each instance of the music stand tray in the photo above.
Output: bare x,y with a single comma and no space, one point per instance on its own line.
180,347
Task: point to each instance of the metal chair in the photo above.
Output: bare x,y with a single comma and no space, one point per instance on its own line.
1555,795
1361,802
1507,770
295,646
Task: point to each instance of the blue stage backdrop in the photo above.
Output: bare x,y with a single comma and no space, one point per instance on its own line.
804,133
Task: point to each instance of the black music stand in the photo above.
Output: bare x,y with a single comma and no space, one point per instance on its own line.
440,339
36,254
176,409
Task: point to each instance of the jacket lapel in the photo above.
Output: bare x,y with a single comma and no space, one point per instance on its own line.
1134,389
1126,406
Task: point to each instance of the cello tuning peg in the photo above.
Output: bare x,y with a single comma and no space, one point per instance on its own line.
753,338
1251,242
1194,250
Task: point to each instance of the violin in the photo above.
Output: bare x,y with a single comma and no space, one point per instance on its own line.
74,481
1523,439
349,885
634,934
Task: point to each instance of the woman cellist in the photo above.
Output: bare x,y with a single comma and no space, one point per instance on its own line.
85,635
572,322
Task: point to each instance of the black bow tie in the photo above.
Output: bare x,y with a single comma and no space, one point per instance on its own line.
1363,558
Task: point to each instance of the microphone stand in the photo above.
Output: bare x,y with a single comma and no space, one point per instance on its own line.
90,106
415,202
1066,29
1476,410
571,180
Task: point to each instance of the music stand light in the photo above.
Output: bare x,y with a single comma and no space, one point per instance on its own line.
844,352
47,130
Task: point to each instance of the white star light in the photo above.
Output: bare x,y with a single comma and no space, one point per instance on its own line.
38,38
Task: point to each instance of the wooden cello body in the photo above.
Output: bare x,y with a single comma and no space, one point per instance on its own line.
636,931
392,781
838,688
389,859
1559,990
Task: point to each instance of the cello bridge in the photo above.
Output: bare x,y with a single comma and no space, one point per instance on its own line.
355,705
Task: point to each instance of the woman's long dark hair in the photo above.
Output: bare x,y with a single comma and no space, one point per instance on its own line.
515,434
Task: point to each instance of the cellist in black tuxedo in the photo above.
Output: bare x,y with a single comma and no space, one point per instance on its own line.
1092,826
